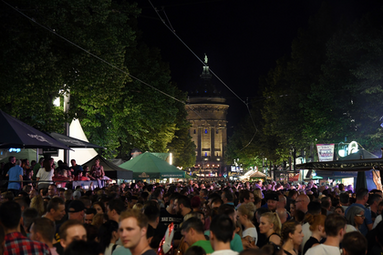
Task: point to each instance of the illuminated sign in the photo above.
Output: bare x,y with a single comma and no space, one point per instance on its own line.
17,150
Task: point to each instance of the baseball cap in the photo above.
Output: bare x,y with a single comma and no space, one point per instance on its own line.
76,206
272,196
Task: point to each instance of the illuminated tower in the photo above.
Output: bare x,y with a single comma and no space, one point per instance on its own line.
207,114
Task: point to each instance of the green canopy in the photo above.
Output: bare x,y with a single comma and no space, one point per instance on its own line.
163,156
149,166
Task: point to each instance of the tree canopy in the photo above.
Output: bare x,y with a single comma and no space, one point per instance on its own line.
116,111
329,89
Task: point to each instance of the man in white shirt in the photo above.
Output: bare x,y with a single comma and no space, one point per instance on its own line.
221,233
335,227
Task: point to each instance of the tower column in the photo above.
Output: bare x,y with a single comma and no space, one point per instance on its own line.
212,151
199,147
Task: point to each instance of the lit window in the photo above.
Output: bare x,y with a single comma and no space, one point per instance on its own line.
205,131
205,154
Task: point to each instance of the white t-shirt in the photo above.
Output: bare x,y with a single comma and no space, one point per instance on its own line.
306,234
225,252
252,232
377,220
323,249
350,228
44,175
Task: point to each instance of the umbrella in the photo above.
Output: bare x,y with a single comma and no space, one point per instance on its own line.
73,142
110,169
149,166
15,133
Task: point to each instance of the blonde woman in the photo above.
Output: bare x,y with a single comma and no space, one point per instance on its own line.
37,202
245,214
270,225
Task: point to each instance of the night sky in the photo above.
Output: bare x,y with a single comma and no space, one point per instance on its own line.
243,39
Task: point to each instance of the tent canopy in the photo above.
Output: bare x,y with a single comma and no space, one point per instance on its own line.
258,174
149,166
110,169
344,165
73,142
15,133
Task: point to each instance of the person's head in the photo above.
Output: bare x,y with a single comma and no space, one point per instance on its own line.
28,216
107,233
344,199
73,162
152,213
326,203
221,230
227,196
302,202
245,197
23,202
195,202
339,210
132,229
89,215
71,230
56,208
354,243
334,226
292,232
245,212
182,204
282,214
229,211
76,210
99,206
314,208
270,223
195,250
10,215
282,201
216,202
43,230
115,207
47,165
374,200
12,160
203,192
52,190
317,223
272,200
362,195
7,196
192,230
355,216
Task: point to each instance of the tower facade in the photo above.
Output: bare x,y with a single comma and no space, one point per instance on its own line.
207,113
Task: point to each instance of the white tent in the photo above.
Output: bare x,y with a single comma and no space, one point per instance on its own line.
80,155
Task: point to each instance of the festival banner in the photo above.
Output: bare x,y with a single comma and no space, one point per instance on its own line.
325,152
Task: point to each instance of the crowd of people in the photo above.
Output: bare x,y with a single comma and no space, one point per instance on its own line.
194,218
